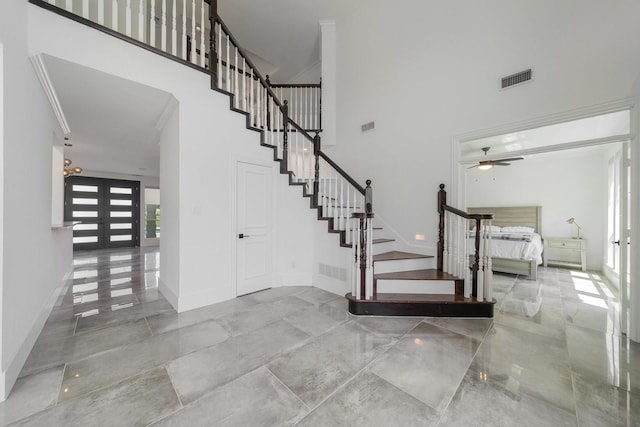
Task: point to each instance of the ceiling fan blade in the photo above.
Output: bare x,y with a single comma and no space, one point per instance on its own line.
500,164
510,159
474,166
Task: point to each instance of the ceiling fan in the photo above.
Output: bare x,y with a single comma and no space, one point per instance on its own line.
488,164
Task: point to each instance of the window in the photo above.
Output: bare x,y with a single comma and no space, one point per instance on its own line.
152,213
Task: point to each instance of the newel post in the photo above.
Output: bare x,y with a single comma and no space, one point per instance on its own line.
368,197
284,163
316,174
442,201
213,54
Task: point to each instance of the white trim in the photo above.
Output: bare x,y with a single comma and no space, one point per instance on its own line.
167,111
168,294
17,360
43,75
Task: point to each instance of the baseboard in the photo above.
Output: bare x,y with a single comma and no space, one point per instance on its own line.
329,285
14,367
294,280
168,294
188,302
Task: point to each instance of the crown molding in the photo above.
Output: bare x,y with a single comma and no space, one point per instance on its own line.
43,75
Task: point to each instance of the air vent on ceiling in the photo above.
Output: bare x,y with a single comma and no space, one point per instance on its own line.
516,79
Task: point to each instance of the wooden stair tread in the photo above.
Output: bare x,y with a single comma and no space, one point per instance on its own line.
427,274
398,255
382,241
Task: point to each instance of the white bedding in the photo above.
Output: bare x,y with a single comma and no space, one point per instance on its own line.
513,245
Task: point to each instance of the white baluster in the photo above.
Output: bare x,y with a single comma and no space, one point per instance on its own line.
85,9
488,273
369,265
141,20
334,200
101,12
193,39
203,56
342,208
174,34
445,255
461,246
244,85
306,108
228,86
127,19
235,80
185,33
219,53
480,287
163,27
68,5
152,23
251,107
114,15
357,272
467,273
325,198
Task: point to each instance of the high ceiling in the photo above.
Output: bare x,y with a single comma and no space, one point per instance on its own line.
292,25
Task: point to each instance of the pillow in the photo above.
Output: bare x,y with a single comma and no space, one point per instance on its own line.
518,229
494,229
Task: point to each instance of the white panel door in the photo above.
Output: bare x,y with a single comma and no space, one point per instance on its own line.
254,228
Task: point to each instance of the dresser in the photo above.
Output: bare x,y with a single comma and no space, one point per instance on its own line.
563,251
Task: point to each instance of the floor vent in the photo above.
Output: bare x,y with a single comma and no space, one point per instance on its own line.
516,79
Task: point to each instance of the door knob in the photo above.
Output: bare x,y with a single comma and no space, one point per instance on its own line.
242,236
617,242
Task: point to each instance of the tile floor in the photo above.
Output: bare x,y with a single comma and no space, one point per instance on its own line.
114,352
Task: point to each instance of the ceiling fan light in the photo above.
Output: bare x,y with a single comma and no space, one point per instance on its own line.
485,166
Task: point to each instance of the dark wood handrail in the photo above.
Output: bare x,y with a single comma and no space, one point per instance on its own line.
248,61
465,214
343,173
319,85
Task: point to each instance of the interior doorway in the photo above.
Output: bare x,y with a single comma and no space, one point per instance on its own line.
107,212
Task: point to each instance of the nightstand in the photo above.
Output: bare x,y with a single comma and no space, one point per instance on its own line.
558,249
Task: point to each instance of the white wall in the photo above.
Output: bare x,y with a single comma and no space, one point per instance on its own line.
566,184
428,71
35,258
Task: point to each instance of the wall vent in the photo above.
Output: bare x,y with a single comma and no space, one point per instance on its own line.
333,271
516,79
368,126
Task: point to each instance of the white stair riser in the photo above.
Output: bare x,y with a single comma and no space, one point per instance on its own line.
396,286
380,248
392,266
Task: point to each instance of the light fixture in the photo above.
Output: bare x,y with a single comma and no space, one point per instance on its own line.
485,166
572,220
68,171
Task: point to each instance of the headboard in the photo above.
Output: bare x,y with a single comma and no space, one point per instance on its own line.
507,216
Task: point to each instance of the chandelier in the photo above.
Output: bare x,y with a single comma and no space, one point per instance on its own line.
68,170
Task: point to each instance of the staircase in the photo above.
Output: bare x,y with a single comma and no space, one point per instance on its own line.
384,281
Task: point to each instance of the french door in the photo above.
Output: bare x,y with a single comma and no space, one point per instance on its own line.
107,212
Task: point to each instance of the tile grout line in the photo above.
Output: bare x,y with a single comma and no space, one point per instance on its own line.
351,378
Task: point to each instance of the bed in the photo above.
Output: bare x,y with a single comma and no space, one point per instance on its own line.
526,264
